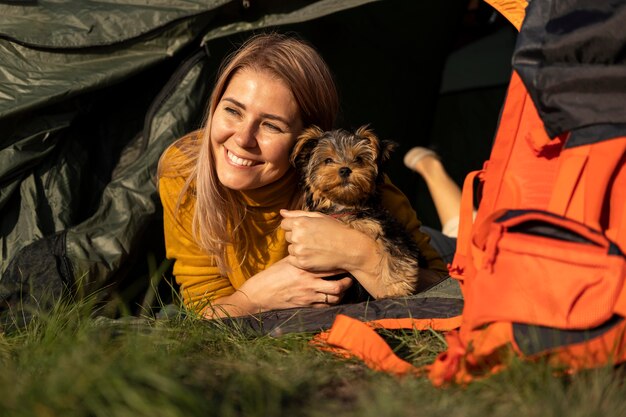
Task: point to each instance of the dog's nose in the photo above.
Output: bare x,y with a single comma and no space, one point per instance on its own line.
344,172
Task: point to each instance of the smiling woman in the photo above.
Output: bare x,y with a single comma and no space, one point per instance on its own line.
225,188
254,127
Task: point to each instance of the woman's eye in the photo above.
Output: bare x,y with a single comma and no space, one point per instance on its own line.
232,111
273,127
328,161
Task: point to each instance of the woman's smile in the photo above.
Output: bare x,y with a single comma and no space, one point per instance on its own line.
238,161
253,129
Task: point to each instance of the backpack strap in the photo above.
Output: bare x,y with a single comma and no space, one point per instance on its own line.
571,166
466,218
584,177
620,234
352,337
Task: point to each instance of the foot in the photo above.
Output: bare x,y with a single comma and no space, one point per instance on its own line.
417,159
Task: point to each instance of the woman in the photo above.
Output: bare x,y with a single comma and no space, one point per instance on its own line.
225,189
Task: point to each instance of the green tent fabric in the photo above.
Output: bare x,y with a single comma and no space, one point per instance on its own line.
81,136
91,93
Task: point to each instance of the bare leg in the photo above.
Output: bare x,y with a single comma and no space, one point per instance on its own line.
445,193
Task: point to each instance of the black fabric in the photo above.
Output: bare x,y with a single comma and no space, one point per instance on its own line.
35,279
594,134
535,339
444,245
545,228
279,322
571,56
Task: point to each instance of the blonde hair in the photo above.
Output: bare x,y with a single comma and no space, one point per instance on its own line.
219,218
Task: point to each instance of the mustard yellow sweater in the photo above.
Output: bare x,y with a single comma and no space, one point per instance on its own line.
197,273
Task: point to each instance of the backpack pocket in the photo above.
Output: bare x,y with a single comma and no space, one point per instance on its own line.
538,268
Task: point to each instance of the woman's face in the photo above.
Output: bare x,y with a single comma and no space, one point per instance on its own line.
253,129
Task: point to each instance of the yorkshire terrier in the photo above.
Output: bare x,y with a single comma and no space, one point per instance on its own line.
339,173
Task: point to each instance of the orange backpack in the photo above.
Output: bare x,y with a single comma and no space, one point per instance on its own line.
542,267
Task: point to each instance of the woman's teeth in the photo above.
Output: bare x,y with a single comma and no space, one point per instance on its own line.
239,161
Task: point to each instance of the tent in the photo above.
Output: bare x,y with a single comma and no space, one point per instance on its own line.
92,92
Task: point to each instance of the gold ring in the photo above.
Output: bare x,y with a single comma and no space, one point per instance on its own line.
325,298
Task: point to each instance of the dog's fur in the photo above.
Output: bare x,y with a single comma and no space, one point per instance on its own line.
339,172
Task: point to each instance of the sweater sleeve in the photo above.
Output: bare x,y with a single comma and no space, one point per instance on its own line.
195,271
399,206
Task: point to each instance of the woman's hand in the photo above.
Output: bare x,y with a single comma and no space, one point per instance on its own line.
281,286
318,242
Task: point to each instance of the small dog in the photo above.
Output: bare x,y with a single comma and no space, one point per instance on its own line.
339,172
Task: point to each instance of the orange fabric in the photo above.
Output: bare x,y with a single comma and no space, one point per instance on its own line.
439,324
448,365
459,366
584,172
503,145
620,302
540,142
510,276
608,349
490,349
522,283
604,158
351,337
515,277
615,226
466,219
571,164
513,10
523,181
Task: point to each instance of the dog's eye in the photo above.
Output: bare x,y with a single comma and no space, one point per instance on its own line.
358,160
328,161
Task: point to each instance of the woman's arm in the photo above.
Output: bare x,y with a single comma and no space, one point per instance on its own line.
319,243
278,287
205,289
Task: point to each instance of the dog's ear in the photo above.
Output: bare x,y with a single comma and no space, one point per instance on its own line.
364,132
384,148
305,144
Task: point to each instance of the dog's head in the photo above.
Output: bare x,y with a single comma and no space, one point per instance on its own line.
339,168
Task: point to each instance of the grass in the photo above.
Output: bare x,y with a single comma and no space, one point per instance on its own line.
70,363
